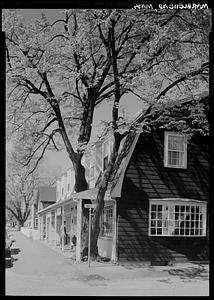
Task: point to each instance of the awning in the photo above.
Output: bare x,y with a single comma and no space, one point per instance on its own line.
88,194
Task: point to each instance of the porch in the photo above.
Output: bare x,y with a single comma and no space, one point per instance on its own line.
52,217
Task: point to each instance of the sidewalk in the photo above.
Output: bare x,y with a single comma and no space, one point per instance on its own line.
41,269
134,270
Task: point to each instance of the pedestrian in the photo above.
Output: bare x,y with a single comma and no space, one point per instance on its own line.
63,234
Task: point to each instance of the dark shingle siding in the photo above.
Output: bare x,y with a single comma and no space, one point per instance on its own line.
146,171
145,178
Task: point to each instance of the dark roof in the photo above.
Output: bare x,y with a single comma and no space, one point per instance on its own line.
46,194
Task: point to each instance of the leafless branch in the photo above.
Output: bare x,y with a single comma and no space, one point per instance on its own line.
187,76
42,154
48,124
59,35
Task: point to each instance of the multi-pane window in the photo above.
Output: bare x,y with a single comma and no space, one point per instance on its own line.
92,171
36,223
105,162
177,219
105,154
175,150
107,221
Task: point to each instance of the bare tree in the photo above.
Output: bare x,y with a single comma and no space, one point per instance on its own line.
19,191
58,73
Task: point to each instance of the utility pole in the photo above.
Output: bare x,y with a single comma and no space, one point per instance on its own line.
90,206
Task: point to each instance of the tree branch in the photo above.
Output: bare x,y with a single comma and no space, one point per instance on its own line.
48,124
187,76
59,35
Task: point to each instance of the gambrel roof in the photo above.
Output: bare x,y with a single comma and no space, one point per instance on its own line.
129,144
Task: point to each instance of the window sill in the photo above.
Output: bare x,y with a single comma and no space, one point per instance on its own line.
106,237
178,236
175,167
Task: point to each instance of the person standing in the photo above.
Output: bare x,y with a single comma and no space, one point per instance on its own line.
63,234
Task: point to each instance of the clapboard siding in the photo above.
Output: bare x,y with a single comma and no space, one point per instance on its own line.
147,178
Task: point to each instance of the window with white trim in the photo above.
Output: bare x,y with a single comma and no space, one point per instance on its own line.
36,223
92,171
177,218
105,153
175,150
106,224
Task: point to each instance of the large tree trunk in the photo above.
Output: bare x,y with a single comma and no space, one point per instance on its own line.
103,185
96,221
79,171
87,119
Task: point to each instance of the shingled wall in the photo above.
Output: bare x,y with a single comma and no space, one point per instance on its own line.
145,178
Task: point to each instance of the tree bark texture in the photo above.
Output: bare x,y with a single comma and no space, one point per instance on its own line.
102,188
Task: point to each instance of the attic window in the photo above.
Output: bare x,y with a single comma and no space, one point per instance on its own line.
177,218
175,150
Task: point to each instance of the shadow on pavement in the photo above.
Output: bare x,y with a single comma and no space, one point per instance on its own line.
195,272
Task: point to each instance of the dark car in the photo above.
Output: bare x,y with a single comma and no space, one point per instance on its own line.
8,244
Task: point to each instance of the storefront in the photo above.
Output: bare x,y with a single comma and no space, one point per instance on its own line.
70,210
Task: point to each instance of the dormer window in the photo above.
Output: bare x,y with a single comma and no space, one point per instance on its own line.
175,150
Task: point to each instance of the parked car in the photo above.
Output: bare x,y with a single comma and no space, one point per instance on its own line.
8,244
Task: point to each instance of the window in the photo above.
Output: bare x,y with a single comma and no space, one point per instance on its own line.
105,153
107,221
175,150
68,187
182,218
105,162
36,223
92,172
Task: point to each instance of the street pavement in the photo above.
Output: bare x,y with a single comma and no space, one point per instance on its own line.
40,270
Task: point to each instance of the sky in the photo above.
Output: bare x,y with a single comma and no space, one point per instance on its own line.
56,162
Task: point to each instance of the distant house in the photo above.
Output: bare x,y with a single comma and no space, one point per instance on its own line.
64,208
156,205
44,196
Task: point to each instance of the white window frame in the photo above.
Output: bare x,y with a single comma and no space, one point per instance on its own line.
105,152
171,219
92,174
36,222
107,235
166,151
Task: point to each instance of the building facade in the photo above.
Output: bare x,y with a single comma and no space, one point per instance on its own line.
156,204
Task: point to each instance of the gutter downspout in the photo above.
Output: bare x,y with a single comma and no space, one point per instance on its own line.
78,229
